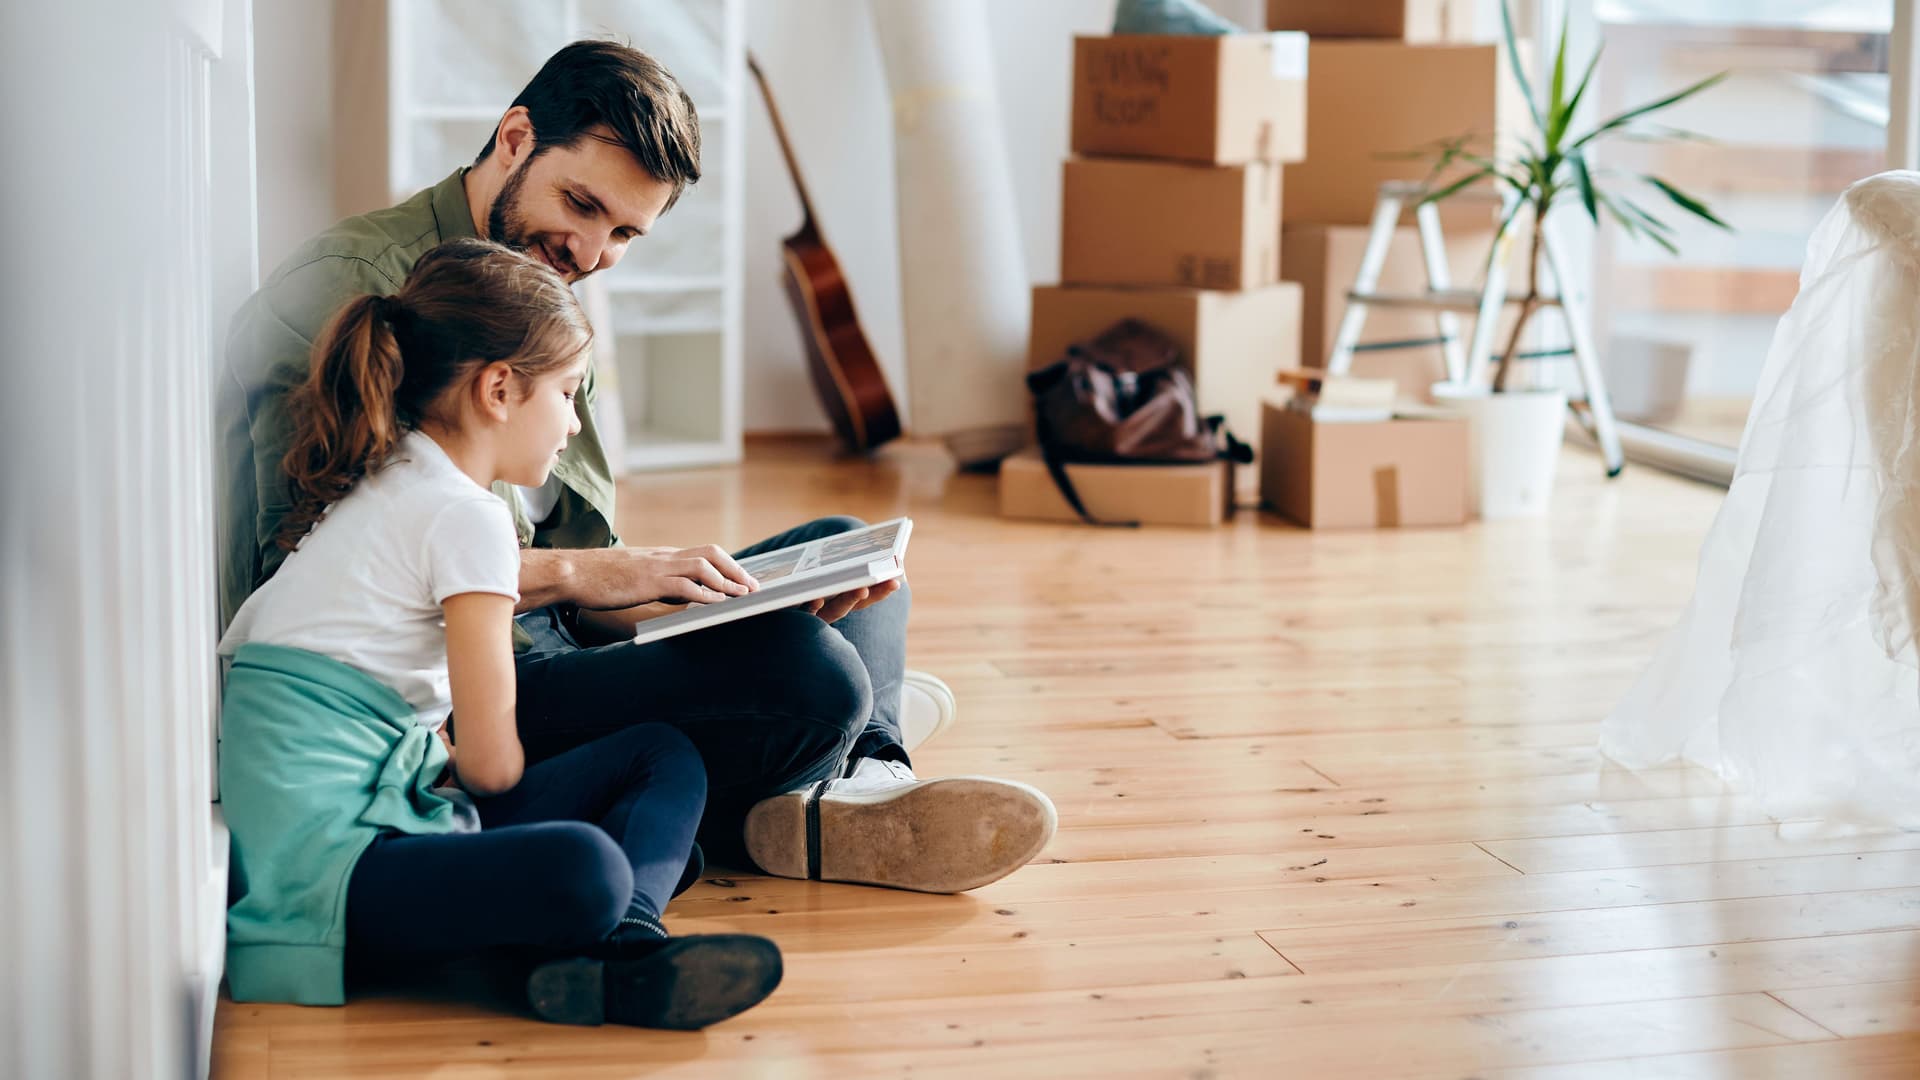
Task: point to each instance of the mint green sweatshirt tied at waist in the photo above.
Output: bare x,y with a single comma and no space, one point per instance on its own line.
316,759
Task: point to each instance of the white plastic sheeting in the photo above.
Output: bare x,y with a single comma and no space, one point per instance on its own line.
1794,671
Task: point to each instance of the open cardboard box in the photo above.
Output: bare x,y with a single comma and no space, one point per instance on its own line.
1386,474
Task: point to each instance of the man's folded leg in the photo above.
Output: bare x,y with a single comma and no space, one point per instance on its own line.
805,735
772,703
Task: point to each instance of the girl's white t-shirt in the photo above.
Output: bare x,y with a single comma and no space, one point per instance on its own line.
365,586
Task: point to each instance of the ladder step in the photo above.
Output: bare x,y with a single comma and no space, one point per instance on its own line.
1435,299
1414,189
1542,354
1404,343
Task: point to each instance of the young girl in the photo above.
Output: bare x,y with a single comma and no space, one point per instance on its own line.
394,608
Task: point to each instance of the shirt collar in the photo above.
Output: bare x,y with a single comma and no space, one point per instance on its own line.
422,445
452,214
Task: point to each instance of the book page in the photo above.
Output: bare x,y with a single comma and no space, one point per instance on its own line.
861,545
771,566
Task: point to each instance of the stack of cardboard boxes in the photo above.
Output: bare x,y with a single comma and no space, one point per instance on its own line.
1171,214
1385,79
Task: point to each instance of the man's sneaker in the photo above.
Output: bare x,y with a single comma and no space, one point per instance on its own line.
882,825
927,708
683,984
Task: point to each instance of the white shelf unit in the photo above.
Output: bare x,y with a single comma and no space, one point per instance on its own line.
433,77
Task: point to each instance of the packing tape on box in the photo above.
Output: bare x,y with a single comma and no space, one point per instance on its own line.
1287,51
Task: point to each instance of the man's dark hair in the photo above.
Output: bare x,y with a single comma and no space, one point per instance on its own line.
590,83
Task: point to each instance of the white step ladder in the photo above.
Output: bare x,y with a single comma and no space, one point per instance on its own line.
1468,366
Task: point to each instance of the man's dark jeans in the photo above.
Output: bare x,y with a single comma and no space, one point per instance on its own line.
773,703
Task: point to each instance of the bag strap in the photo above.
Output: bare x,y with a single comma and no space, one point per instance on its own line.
1057,468
1235,451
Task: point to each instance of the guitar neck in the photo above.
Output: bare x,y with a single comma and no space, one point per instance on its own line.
780,133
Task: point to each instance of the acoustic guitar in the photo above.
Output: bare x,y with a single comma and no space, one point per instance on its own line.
845,374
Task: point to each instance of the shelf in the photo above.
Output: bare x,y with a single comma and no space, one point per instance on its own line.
650,286
671,324
661,450
656,312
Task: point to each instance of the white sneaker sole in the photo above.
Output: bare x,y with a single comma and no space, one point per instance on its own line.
944,708
946,835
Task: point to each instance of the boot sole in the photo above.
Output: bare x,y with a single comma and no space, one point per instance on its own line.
938,836
686,985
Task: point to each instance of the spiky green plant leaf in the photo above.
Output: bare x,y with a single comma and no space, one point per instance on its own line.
1585,180
1519,72
1633,114
1686,202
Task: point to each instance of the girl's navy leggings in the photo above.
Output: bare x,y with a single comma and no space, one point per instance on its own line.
601,831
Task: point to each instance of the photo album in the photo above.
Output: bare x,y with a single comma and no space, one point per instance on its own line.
792,576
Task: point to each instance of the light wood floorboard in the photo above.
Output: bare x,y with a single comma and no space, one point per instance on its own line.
1330,805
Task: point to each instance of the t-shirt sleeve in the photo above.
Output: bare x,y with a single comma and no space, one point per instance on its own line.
472,547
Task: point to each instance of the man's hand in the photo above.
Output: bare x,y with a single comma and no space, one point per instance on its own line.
699,575
610,579
835,608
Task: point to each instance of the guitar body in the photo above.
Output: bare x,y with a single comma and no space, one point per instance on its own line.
846,376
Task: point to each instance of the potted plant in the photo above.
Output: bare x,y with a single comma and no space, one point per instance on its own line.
1516,431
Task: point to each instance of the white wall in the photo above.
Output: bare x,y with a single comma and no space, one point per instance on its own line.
112,858
294,103
824,64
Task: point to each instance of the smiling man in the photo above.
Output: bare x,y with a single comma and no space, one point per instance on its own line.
798,715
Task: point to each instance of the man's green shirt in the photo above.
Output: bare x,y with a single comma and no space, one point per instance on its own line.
268,352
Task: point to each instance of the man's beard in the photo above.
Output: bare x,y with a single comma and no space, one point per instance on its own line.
506,224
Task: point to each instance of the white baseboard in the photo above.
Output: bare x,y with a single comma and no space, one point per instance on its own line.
210,947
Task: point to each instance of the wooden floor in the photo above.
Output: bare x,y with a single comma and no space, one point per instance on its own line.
1330,806
1717,420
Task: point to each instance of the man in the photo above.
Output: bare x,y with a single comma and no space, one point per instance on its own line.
797,714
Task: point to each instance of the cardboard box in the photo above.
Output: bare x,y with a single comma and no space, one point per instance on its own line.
1323,260
1219,100
1367,475
1412,21
1366,99
1134,222
1234,341
1199,494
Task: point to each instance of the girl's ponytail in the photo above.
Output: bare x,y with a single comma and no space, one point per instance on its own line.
467,303
345,418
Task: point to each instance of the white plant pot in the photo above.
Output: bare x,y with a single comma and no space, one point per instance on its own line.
1513,446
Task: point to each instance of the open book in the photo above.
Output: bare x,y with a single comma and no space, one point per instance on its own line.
792,576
